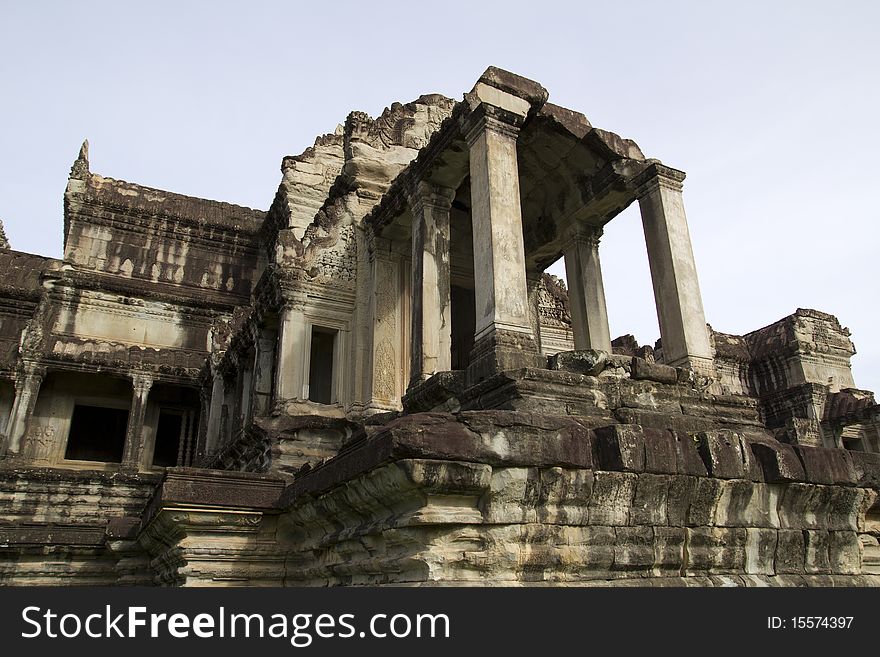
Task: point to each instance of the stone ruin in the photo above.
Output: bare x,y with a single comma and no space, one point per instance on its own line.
376,382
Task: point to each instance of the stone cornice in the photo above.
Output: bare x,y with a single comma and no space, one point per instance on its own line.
127,197
581,233
658,175
428,196
489,118
136,221
192,298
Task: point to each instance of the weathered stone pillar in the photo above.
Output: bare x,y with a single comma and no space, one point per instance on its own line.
215,411
386,366
503,338
27,388
185,440
673,272
264,360
289,374
134,433
204,419
586,293
431,345
247,377
534,283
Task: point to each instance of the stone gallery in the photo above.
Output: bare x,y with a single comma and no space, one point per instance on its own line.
376,382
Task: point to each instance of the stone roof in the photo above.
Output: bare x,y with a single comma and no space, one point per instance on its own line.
21,273
131,197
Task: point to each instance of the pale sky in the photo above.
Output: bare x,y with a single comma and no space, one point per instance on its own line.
770,107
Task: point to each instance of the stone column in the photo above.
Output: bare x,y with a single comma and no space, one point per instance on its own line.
215,412
264,361
385,376
247,378
503,338
204,418
586,293
185,440
534,282
27,388
673,272
289,374
134,433
431,343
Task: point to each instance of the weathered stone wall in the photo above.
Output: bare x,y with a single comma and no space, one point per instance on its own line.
134,232
806,347
656,506
794,367
507,498
59,527
526,463
20,293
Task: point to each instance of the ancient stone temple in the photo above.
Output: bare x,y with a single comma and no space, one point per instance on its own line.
376,382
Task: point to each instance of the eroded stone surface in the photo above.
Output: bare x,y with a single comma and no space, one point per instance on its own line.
375,381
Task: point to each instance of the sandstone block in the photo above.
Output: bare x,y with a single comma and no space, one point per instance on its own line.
844,552
816,556
779,462
760,551
746,504
678,499
634,548
512,496
704,502
564,496
612,498
790,551
642,369
599,542
661,454
687,455
827,466
585,361
867,469
721,451
649,501
621,448
716,549
668,550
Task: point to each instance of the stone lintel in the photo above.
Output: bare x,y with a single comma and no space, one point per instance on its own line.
514,84
656,174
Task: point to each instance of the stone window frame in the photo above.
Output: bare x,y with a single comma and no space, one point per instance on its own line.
338,396
98,402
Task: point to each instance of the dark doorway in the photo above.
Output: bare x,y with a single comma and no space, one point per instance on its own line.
167,438
464,322
321,365
97,434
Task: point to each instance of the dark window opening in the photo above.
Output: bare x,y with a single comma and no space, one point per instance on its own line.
854,443
464,323
97,434
167,439
321,365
